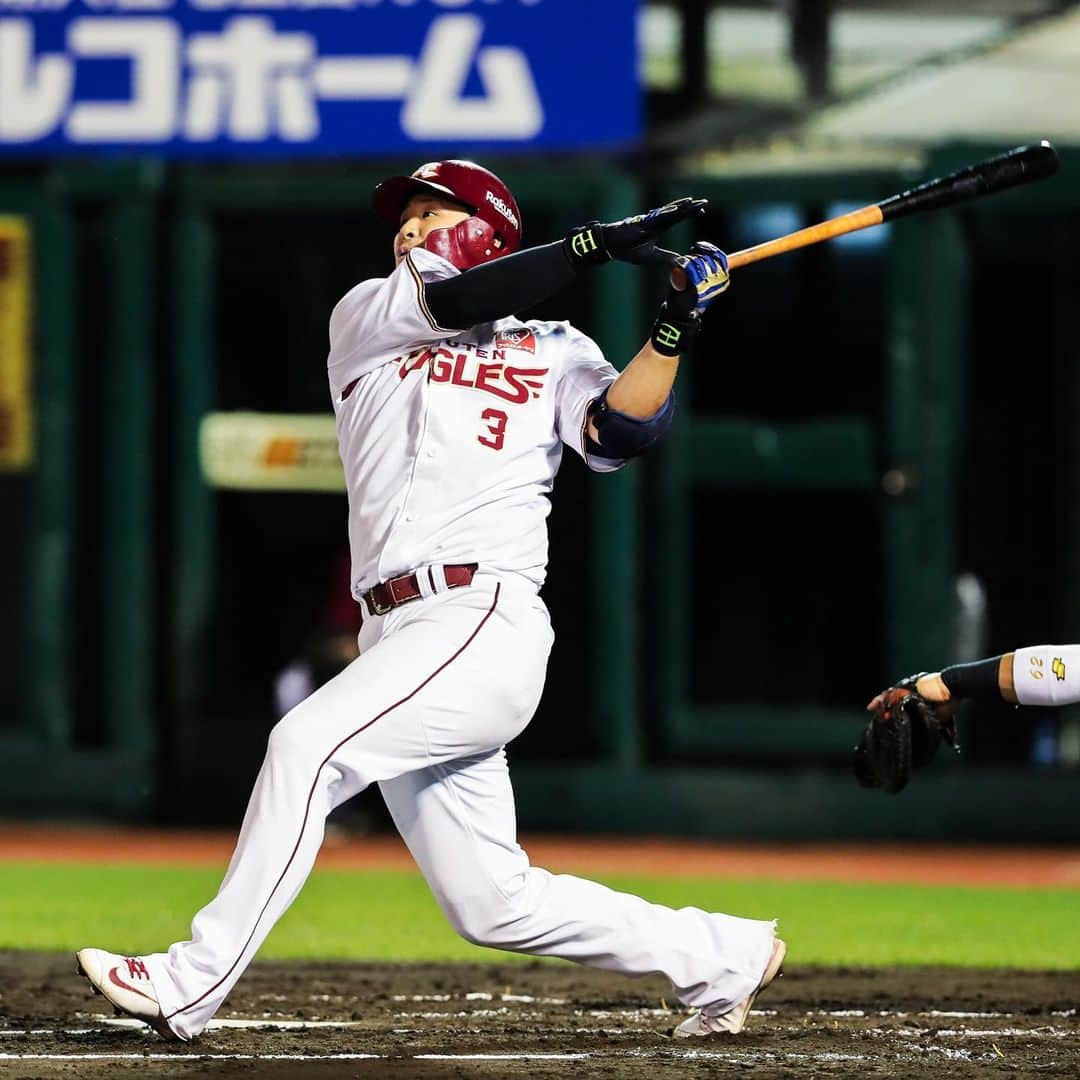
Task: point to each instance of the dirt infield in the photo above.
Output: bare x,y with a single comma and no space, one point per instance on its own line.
925,864
548,1020
551,1019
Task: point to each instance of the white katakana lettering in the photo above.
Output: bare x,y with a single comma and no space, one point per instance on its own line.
149,115
33,94
356,78
437,108
249,82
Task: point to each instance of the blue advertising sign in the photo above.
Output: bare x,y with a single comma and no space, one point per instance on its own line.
287,78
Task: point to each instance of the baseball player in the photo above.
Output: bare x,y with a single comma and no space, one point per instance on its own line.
1046,675
909,720
452,415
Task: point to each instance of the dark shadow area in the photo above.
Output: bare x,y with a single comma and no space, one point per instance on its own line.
1017,483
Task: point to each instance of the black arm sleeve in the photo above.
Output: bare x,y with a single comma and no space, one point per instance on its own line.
500,288
978,680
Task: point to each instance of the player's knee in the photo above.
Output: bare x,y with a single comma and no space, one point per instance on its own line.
483,923
290,737
498,919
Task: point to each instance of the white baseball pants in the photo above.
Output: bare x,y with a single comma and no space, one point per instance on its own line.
441,685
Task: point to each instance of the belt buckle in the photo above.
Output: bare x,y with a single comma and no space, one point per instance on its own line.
376,607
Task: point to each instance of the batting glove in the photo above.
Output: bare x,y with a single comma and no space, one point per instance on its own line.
631,240
705,271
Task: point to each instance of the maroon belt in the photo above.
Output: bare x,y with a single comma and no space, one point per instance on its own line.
400,590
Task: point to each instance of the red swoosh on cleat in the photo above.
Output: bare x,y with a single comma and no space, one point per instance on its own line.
117,981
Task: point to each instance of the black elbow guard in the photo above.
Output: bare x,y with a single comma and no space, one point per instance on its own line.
623,436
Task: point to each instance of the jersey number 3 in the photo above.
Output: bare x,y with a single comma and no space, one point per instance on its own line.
496,427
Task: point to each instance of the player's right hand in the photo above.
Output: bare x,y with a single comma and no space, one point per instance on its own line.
634,238
702,276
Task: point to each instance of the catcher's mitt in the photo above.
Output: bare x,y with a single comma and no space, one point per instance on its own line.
903,733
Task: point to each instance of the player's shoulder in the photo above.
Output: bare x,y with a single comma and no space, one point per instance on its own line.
562,338
356,297
425,264
541,327
554,329
360,290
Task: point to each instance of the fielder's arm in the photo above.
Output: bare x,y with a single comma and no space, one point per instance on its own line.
993,680
1047,675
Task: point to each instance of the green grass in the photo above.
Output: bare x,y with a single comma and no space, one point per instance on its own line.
390,915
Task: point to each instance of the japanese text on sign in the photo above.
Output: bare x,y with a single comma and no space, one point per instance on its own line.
285,77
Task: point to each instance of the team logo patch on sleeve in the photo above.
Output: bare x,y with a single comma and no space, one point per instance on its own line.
1058,668
520,337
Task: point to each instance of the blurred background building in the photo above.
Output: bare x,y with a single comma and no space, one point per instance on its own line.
874,471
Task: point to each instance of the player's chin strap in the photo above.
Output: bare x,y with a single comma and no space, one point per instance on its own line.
623,436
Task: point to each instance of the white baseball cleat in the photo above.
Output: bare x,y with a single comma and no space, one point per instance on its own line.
125,983
704,1022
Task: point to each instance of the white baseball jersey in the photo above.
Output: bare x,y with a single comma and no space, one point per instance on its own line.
451,440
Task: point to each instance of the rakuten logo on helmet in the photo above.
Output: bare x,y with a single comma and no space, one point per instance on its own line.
502,208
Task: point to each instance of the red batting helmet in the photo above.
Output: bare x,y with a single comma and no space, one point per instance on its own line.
493,230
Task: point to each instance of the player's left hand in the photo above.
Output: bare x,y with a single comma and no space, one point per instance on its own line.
632,239
902,734
698,278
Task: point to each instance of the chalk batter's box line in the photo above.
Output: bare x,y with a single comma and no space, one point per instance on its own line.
733,1056
102,1025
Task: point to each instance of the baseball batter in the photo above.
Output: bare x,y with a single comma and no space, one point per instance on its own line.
452,415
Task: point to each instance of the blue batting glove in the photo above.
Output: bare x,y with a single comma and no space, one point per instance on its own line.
706,272
703,276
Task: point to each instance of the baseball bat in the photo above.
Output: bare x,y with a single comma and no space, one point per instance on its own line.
1021,165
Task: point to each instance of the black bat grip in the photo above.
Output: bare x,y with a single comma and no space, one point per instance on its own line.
1021,165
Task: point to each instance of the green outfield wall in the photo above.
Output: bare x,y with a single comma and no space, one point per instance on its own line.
863,423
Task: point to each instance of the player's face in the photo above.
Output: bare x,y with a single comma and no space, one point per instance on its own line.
423,214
